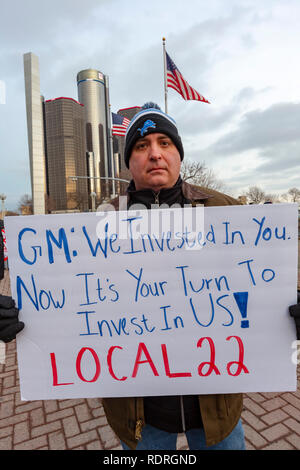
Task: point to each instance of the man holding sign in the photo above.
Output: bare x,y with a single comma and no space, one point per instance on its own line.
153,153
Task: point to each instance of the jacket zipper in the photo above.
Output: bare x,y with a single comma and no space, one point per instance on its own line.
139,423
182,413
156,197
138,429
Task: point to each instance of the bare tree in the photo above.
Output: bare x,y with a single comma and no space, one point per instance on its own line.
77,200
197,173
271,198
25,206
294,194
255,195
49,204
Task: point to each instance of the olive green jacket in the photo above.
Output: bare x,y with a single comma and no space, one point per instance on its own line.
220,413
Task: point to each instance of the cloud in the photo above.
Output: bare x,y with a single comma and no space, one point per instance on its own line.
28,22
262,129
263,149
198,118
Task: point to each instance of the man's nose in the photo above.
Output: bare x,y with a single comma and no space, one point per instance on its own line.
155,151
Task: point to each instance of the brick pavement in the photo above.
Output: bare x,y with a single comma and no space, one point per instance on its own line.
271,420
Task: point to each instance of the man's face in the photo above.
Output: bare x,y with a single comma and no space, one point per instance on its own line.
154,162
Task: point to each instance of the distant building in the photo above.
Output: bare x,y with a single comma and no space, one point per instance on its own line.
69,138
93,93
129,113
35,130
242,199
119,141
66,155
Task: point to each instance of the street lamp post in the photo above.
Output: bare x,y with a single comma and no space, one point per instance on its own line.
2,197
93,194
93,197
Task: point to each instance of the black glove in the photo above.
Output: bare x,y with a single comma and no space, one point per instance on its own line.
9,322
295,313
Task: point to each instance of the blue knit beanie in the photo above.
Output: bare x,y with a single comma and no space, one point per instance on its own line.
151,119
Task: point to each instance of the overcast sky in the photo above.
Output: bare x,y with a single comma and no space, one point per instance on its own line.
242,55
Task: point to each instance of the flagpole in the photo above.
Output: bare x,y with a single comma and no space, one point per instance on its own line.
165,75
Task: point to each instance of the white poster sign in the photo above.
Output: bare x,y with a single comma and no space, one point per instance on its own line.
191,301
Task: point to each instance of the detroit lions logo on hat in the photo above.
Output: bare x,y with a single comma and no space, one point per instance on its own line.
146,126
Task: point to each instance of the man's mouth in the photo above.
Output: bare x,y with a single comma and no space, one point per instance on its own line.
154,170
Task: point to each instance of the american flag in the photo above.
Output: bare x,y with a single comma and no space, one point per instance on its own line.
120,124
176,81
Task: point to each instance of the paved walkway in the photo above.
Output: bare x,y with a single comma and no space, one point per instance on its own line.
271,420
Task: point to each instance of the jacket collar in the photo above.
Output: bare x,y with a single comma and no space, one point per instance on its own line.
192,193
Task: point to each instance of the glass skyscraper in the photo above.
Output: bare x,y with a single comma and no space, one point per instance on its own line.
35,129
93,93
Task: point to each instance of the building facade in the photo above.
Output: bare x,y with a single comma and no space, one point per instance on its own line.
35,132
66,155
93,93
73,156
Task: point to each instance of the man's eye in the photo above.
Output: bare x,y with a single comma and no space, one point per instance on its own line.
140,146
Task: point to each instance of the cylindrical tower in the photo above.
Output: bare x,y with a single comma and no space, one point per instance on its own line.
93,94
